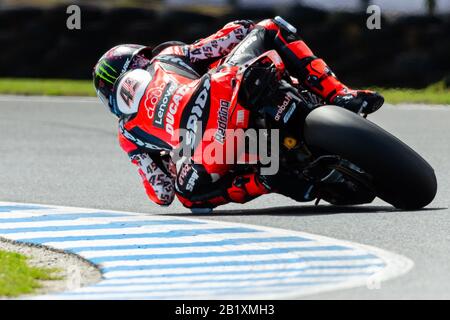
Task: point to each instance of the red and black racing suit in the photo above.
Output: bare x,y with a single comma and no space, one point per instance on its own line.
176,96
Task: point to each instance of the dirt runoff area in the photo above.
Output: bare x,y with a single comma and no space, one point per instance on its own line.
73,271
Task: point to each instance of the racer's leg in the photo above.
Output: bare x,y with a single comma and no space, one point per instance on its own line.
312,71
196,189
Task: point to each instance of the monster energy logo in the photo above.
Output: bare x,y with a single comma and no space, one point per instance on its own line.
106,72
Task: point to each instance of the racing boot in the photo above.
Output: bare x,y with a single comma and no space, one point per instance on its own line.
313,72
323,82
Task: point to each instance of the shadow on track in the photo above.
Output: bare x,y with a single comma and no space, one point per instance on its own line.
308,210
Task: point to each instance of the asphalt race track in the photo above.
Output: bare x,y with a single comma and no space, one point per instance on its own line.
64,151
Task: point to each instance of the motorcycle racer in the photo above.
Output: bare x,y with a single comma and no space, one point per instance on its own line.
156,91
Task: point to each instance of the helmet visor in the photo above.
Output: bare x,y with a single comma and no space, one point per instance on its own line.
103,98
140,60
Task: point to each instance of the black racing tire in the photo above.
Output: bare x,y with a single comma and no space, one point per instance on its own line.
401,177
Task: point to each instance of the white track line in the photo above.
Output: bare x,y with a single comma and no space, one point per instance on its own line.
113,231
335,267
176,257
205,249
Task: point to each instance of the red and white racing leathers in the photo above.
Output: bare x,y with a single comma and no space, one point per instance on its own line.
159,173
172,94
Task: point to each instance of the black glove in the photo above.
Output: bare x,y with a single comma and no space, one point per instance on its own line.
360,101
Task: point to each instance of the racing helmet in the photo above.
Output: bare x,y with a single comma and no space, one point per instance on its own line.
113,64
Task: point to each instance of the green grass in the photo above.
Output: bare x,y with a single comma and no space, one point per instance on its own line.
437,93
47,87
17,277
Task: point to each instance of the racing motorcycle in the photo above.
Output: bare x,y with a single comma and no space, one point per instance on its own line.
349,159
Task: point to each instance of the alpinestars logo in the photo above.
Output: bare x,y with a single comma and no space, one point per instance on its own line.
192,180
222,121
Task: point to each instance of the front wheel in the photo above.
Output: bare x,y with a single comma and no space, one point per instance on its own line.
401,177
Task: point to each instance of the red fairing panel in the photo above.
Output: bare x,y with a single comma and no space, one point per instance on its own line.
219,149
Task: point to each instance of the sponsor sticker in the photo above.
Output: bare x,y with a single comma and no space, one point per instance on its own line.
163,104
192,181
282,107
201,102
222,121
173,109
152,98
125,66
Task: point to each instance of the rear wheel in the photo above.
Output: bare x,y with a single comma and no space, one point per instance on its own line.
401,177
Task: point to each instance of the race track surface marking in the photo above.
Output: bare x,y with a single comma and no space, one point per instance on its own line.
146,256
